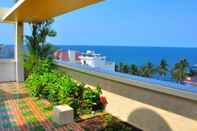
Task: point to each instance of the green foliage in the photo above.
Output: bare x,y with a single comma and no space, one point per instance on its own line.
27,113
31,120
134,69
59,88
119,68
180,70
43,66
36,42
162,68
147,70
38,128
39,82
91,97
109,119
38,48
125,68
178,73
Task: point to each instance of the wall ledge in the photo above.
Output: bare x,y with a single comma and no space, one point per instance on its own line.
148,86
2,61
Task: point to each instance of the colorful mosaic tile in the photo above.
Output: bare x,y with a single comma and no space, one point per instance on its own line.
8,124
50,117
4,109
19,112
37,128
23,106
31,121
27,113
6,116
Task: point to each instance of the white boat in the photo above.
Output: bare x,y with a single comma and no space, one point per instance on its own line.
88,58
95,60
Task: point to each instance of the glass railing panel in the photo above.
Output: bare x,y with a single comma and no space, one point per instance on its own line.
6,51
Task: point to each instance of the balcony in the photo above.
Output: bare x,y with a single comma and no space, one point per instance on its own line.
19,111
147,106
143,103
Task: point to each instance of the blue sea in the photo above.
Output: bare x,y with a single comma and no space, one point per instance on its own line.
135,55
141,55
129,55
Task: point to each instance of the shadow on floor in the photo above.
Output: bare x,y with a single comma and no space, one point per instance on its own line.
148,120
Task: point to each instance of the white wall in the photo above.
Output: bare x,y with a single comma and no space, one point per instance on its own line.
7,70
72,55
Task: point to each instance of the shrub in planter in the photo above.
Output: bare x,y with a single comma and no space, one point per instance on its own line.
59,88
91,99
37,80
34,83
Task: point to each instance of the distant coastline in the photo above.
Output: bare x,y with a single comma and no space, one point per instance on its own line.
108,45
11,45
140,55
136,54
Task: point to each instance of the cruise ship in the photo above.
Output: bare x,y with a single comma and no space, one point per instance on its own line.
88,58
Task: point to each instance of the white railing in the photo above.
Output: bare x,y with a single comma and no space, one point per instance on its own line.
7,70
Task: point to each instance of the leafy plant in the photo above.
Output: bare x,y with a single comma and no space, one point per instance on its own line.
90,97
38,128
125,68
133,69
162,68
180,70
45,81
37,46
109,119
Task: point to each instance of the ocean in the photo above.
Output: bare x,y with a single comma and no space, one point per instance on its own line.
129,55
141,55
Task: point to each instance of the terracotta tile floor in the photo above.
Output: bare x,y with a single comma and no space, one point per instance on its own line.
20,112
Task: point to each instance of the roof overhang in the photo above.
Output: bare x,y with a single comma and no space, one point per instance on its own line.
39,10
3,11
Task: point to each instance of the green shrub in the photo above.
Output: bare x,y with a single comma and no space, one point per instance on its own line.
43,66
34,83
59,88
91,97
109,119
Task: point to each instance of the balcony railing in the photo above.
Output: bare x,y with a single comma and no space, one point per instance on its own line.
138,100
136,79
6,52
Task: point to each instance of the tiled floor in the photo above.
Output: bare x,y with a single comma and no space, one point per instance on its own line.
19,112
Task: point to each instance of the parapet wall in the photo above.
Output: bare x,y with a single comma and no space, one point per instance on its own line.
7,70
149,107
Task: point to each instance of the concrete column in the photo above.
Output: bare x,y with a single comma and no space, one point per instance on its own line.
19,53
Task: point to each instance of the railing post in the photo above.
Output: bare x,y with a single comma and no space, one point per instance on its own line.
19,52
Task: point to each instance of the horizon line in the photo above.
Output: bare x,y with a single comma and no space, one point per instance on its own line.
130,46
143,46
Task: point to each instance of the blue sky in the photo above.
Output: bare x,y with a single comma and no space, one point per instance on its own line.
124,22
